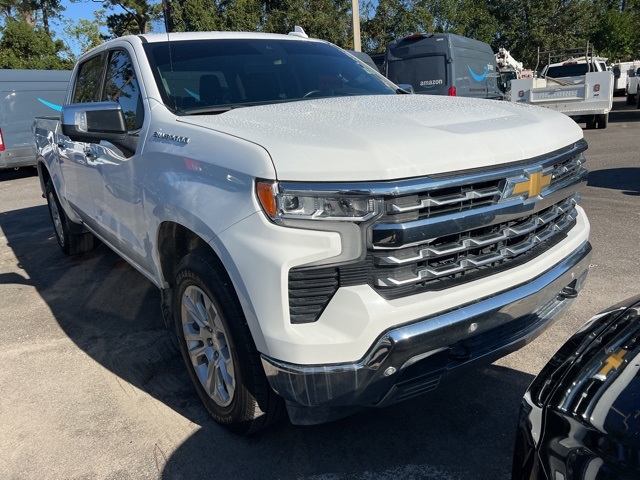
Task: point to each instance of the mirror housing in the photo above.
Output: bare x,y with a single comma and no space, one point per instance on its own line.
407,87
93,122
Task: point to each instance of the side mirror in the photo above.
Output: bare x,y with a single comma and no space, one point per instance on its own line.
93,122
407,87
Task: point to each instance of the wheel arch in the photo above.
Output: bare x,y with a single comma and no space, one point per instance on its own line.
43,175
175,241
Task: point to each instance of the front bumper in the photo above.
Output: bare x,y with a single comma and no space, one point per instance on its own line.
412,359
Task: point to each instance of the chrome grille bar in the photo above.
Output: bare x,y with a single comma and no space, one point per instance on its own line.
456,256
444,200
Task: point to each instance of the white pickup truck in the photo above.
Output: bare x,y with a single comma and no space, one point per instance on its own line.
322,240
581,88
632,89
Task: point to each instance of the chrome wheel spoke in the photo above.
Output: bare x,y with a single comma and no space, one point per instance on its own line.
192,306
208,347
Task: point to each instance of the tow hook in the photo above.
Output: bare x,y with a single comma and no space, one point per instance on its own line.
569,291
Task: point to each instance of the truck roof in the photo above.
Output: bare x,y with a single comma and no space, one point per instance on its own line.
12,75
182,36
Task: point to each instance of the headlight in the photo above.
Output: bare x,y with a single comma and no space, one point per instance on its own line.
281,205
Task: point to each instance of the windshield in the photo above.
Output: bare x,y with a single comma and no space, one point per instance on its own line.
216,75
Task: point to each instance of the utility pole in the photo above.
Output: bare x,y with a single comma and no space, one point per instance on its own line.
356,25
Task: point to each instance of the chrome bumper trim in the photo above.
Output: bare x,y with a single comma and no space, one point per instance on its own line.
396,366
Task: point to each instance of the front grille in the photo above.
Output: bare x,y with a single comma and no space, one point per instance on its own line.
467,196
453,257
443,201
443,232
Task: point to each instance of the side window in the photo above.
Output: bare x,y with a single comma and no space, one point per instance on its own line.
87,88
122,86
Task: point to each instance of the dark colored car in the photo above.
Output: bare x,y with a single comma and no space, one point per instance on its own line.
580,418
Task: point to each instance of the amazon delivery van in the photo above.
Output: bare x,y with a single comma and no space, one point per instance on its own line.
444,64
24,95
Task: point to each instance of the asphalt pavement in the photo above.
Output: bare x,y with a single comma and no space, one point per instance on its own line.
91,385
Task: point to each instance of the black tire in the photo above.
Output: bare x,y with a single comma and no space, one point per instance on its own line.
631,99
602,120
70,243
245,402
591,123
638,98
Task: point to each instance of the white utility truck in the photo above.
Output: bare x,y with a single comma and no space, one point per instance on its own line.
621,73
322,240
580,87
632,89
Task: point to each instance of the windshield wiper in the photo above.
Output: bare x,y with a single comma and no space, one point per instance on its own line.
213,109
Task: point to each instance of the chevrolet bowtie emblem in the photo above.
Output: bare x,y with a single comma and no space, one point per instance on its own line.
613,362
533,185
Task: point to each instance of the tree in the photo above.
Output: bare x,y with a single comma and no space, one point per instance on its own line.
136,17
196,16
23,46
394,19
545,24
86,33
617,33
326,19
31,11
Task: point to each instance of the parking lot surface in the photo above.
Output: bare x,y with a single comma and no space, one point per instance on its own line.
91,385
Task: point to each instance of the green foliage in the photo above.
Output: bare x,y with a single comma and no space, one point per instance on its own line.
84,33
394,19
613,26
326,19
617,31
23,46
134,16
196,16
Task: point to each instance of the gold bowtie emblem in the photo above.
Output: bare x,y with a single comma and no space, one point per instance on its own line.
533,185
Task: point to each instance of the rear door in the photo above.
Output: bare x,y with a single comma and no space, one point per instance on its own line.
476,74
75,163
422,61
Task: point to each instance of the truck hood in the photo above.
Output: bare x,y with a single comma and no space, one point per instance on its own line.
392,136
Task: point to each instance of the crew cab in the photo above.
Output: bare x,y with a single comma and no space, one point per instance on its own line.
323,241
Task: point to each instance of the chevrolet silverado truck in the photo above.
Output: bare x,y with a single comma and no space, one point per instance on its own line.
323,241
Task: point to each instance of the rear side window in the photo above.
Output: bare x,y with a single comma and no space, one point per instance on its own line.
427,74
122,86
89,81
572,70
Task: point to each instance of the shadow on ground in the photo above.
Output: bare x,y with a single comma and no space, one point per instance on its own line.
463,430
626,180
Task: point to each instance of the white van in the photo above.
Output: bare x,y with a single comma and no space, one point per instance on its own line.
25,94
